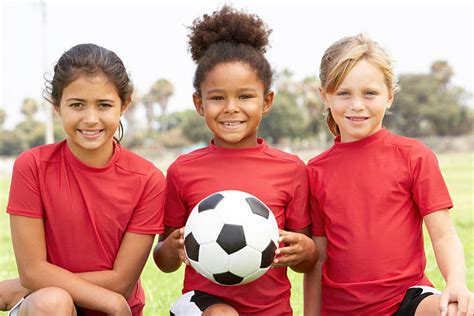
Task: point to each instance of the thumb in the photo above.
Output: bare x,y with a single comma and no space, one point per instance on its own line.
443,303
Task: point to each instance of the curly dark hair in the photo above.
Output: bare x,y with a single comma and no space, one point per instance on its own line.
227,36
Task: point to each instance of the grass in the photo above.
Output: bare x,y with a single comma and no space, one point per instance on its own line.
162,289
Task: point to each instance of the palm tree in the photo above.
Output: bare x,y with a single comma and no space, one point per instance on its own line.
29,108
442,72
147,101
161,91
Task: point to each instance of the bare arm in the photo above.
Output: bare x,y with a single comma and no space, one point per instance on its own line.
312,281
168,253
298,252
36,273
128,265
450,258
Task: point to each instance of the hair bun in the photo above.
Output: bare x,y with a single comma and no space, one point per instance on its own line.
227,25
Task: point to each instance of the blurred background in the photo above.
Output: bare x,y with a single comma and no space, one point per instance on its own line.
432,42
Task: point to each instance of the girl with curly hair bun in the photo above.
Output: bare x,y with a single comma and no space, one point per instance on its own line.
232,92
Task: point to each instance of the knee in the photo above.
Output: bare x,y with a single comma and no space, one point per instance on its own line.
50,301
220,310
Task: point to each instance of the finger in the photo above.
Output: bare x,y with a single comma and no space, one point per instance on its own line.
470,305
463,301
443,303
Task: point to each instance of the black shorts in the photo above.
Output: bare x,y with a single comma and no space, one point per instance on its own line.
193,303
413,298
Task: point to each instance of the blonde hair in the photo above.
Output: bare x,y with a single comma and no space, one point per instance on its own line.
339,59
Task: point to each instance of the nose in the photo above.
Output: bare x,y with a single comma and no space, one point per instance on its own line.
357,104
91,116
231,106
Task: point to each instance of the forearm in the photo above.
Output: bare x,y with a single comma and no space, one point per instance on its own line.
450,258
110,280
309,261
84,293
312,291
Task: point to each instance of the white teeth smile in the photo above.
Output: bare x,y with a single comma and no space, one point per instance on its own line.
231,123
90,132
357,118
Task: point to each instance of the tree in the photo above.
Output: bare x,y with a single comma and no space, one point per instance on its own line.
442,72
147,101
194,127
3,117
424,108
160,92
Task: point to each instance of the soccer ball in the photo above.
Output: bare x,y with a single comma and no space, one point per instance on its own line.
230,237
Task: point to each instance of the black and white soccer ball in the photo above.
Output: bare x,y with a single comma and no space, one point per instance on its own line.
230,237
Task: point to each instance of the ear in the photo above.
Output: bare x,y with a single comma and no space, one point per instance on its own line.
324,97
56,110
197,100
268,102
391,97
125,105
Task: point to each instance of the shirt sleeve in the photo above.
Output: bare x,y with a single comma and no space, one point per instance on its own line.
175,208
25,195
429,190
148,216
317,216
297,212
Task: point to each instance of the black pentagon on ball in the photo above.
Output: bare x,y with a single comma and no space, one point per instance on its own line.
192,247
258,207
268,255
210,202
231,238
227,278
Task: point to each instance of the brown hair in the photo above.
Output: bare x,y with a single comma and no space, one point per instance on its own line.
90,60
227,36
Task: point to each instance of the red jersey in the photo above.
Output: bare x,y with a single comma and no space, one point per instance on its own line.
368,198
87,210
277,178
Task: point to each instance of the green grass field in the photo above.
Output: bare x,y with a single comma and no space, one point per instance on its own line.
162,289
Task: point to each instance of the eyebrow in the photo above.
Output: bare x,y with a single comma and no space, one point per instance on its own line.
223,90
83,100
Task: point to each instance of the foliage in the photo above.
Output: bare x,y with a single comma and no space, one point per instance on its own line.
424,107
194,127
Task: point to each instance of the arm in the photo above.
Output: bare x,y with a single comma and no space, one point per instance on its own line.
11,292
128,265
168,253
298,251
36,273
450,258
312,283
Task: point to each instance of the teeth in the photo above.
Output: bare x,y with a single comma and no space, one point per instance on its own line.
90,132
357,118
231,123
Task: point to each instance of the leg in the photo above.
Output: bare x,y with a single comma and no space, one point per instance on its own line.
430,306
11,292
197,303
48,301
220,310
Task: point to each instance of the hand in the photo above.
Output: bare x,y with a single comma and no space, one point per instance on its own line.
177,238
11,292
297,248
459,294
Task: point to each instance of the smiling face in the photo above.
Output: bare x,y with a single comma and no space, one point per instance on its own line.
232,100
358,105
90,110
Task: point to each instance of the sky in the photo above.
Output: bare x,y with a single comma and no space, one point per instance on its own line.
151,38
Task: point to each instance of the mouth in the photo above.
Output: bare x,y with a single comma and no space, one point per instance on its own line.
90,133
357,118
231,124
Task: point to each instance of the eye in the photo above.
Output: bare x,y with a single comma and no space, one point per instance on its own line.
246,96
342,93
216,98
371,93
103,105
76,105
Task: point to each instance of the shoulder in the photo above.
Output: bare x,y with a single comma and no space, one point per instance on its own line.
132,163
49,153
283,156
321,157
410,146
